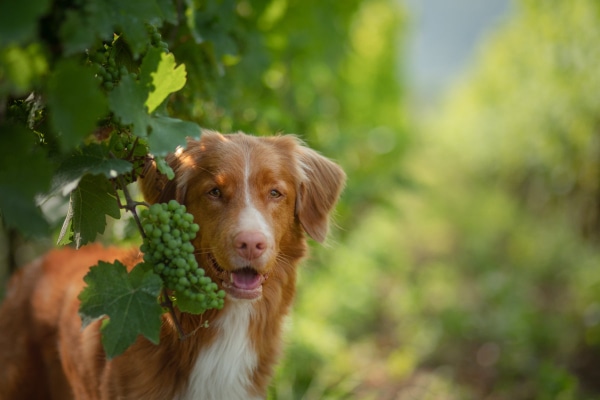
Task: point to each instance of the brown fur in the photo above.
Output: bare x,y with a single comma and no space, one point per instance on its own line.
44,353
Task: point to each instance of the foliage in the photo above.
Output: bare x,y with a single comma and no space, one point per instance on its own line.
523,132
482,280
531,100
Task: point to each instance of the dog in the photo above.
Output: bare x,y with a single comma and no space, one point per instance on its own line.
255,199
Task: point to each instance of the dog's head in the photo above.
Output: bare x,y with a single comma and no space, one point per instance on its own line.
253,197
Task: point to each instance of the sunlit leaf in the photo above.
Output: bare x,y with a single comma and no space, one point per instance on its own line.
161,76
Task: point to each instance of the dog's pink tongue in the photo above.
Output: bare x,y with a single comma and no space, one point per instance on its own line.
246,279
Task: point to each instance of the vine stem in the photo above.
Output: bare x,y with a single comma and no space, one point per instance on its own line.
131,205
169,305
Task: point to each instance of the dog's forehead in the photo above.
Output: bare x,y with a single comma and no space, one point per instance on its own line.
218,153
233,156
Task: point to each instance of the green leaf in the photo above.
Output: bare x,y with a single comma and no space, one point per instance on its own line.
99,19
77,35
168,133
164,167
131,16
88,206
76,102
19,20
168,9
161,76
93,159
25,172
129,301
127,103
21,68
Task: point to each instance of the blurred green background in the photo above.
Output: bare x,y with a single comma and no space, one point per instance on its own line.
465,261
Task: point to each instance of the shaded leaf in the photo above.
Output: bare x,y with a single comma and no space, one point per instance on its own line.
88,206
25,172
99,19
76,102
127,103
78,35
168,133
18,19
128,300
93,159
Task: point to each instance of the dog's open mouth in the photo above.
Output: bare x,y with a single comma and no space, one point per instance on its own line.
243,283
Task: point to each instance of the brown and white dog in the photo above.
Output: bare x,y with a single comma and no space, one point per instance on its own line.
254,199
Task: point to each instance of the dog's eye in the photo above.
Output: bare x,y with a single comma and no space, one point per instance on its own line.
274,194
215,192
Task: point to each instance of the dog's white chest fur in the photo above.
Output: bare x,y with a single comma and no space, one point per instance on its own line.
224,369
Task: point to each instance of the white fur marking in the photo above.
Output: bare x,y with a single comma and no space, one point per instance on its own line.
223,370
250,218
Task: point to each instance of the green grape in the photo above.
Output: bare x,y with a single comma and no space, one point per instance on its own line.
156,39
107,70
167,247
118,145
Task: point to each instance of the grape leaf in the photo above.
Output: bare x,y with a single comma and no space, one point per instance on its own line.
168,10
25,172
18,19
93,159
168,133
77,34
76,101
98,19
129,100
161,76
88,206
128,300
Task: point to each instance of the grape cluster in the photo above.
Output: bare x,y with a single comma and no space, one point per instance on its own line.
168,231
156,38
106,67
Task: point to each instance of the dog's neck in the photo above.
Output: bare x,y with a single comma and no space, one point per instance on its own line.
224,368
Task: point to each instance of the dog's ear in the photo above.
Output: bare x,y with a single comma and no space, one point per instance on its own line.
320,188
